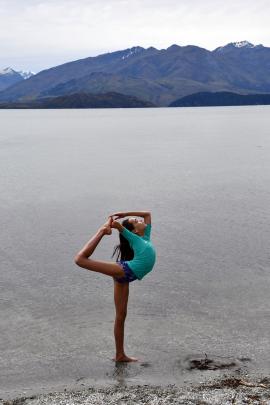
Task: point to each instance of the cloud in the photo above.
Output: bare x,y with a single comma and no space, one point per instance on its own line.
55,31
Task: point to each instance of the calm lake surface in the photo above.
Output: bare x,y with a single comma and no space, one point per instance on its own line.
205,175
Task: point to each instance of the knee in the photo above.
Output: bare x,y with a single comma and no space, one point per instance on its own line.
121,316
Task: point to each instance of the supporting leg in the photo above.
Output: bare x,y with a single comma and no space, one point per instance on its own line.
121,292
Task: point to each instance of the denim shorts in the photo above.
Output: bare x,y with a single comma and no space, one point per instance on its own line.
129,275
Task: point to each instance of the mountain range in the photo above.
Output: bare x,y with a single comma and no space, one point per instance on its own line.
155,76
9,76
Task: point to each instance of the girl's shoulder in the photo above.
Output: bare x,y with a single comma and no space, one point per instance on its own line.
147,232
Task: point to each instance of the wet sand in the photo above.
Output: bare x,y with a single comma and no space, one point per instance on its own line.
207,381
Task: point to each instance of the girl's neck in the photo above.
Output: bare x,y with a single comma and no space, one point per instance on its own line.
140,234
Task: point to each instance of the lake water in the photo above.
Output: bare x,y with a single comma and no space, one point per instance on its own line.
205,175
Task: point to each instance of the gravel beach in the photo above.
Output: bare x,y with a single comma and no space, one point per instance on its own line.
224,391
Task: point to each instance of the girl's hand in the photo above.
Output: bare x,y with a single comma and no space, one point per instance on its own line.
119,215
116,225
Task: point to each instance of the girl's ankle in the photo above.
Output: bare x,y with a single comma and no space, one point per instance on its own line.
120,355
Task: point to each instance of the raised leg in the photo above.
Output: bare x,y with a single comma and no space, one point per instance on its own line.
82,258
121,292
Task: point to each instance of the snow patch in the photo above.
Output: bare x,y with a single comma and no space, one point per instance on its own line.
26,75
9,71
239,45
131,52
243,44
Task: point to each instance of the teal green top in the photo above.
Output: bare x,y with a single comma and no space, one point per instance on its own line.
144,252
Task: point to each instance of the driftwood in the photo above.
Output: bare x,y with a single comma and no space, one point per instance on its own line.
249,384
210,364
234,383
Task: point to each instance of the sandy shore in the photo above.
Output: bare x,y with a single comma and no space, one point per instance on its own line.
224,391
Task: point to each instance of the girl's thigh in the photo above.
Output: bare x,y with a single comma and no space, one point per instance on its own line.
108,268
121,292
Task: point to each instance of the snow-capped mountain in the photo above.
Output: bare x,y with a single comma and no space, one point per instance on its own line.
242,44
239,44
26,75
132,51
9,71
9,76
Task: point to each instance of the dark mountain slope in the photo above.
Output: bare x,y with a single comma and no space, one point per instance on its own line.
158,92
221,99
82,100
247,68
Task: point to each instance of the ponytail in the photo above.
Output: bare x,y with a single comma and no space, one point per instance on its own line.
123,251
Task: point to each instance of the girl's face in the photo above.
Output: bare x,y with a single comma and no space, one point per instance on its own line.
139,225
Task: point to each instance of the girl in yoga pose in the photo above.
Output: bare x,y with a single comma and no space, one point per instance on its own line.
137,258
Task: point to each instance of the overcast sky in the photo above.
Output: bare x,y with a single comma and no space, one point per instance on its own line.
37,34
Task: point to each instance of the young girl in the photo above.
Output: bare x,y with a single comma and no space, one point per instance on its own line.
137,258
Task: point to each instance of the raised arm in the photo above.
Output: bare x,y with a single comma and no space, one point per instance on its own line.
117,225
145,214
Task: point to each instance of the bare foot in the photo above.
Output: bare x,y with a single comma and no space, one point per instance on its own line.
107,227
124,358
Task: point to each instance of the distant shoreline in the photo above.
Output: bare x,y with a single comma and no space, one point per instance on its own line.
118,100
